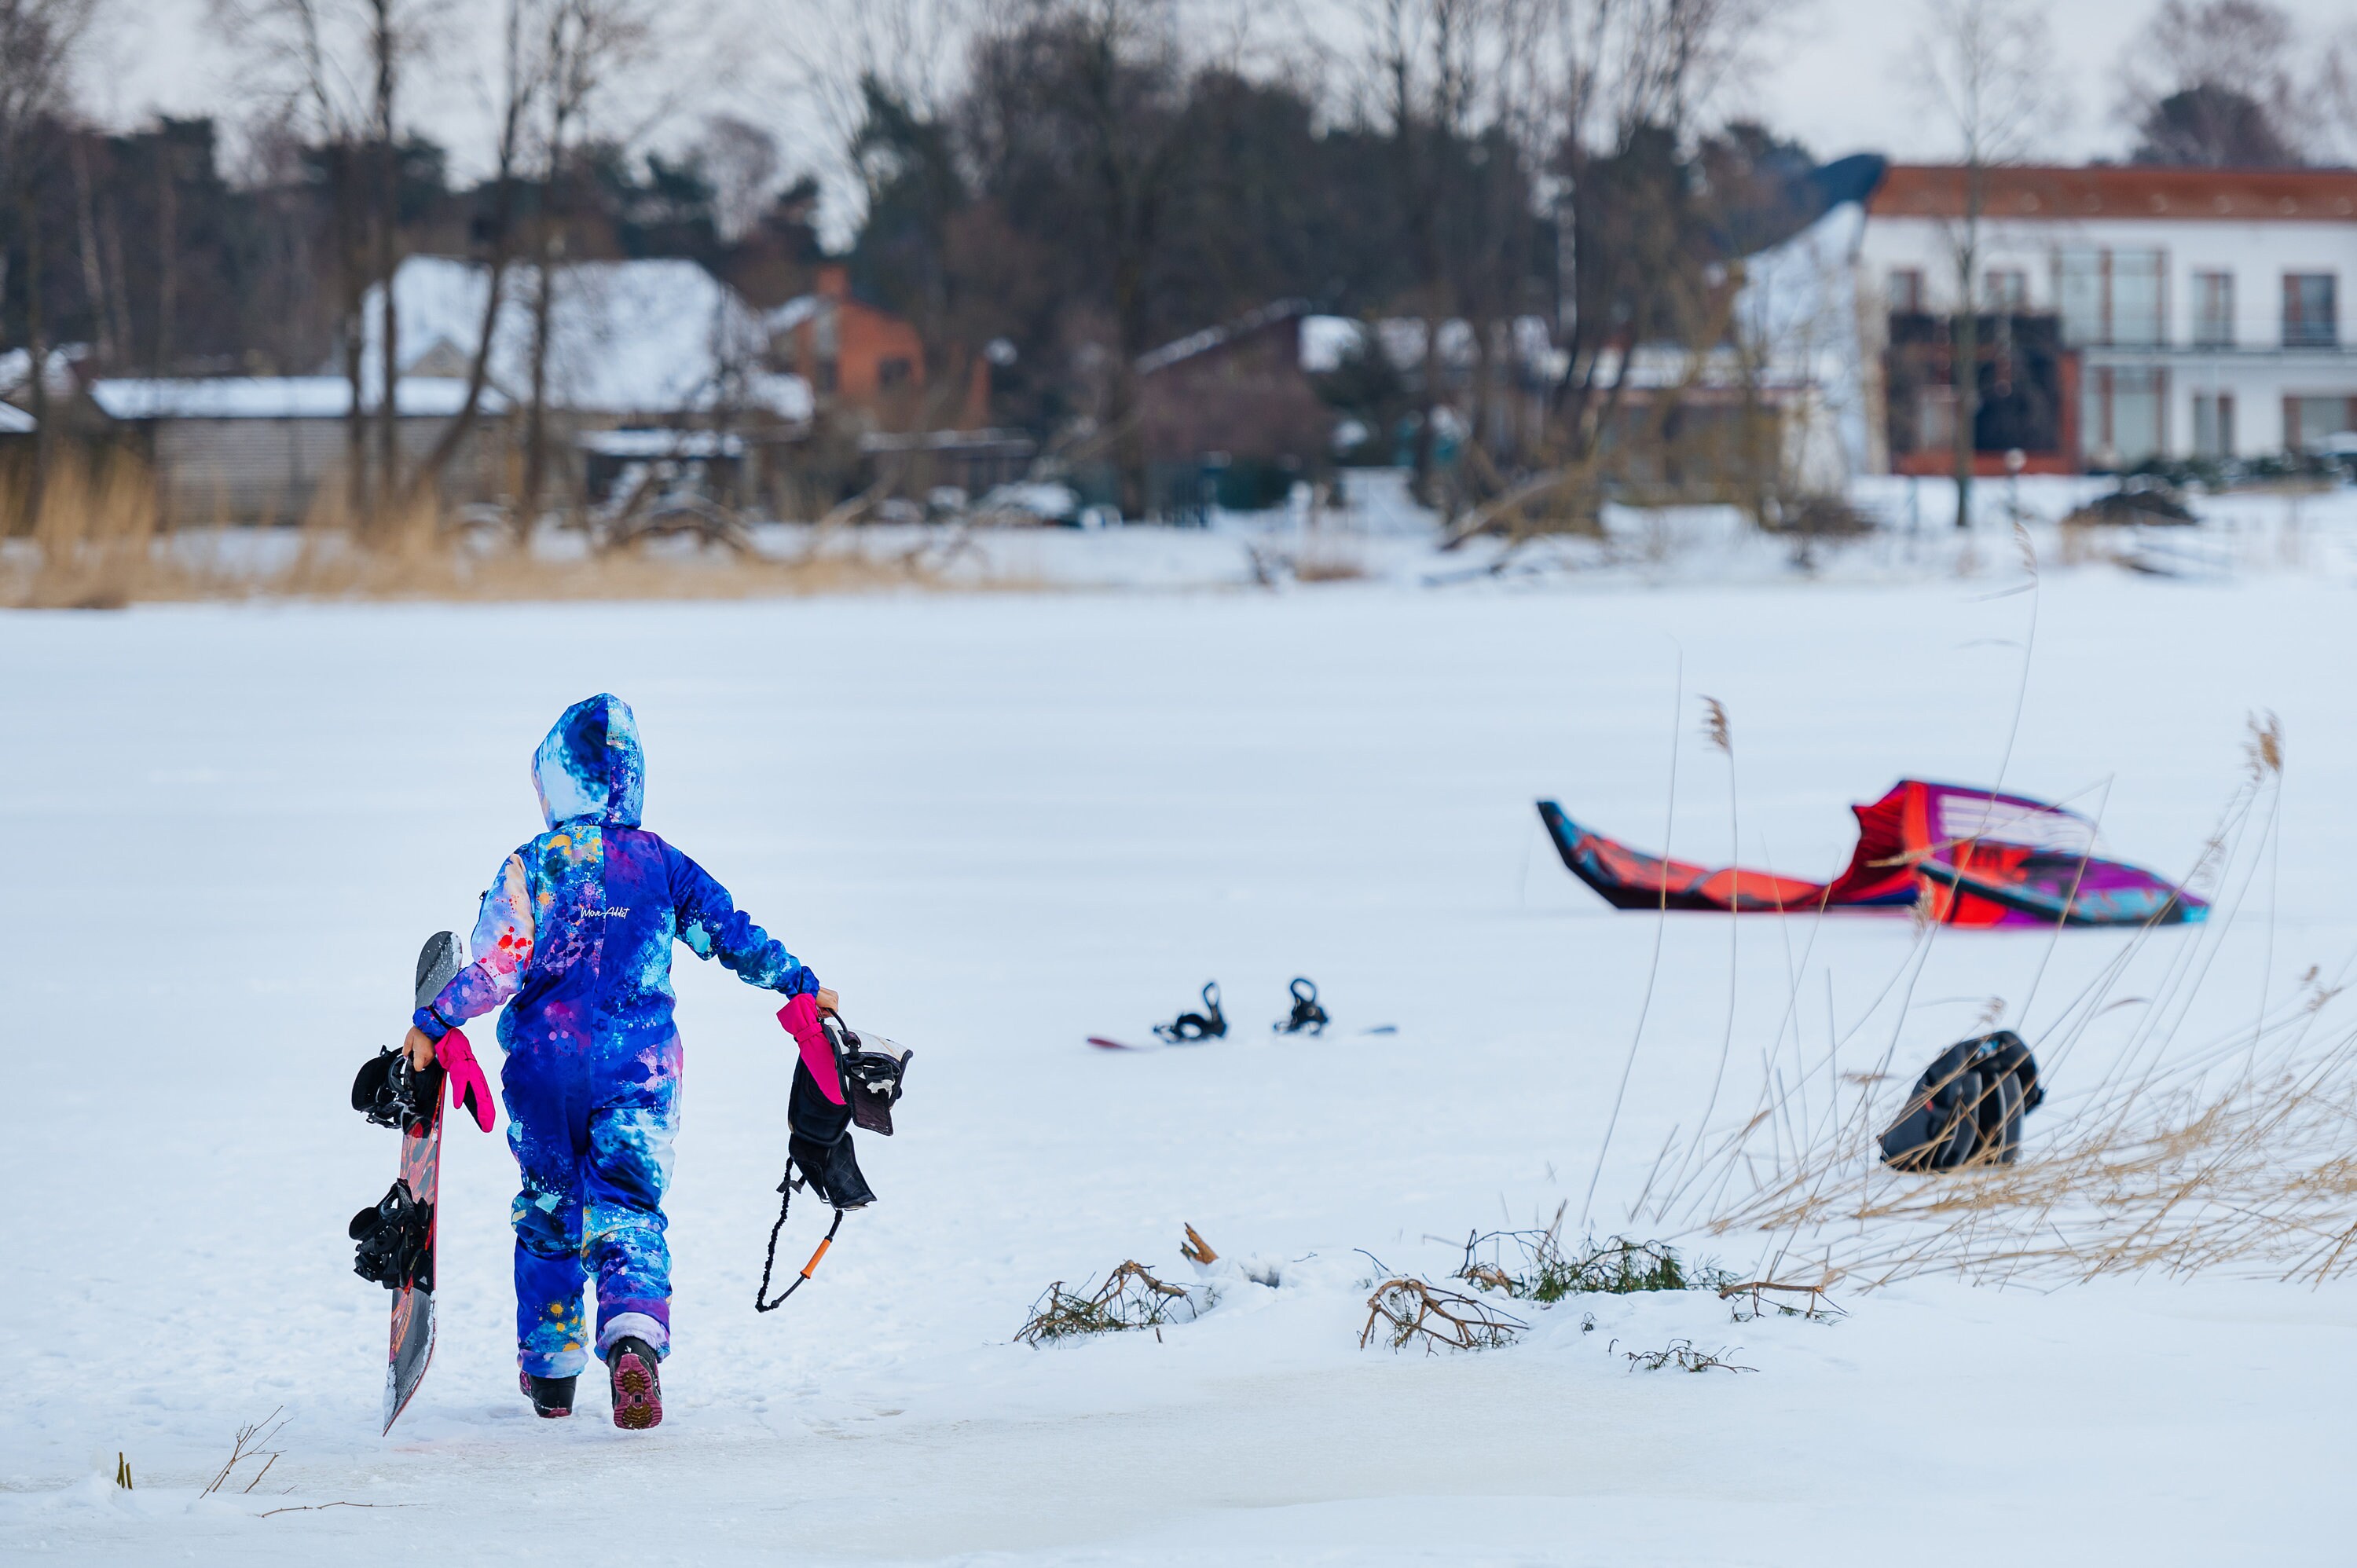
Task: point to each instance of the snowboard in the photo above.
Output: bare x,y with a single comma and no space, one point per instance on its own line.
1107,1043
421,1177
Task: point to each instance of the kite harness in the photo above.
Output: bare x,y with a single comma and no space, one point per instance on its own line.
818,1142
1309,1017
1190,1027
1966,1109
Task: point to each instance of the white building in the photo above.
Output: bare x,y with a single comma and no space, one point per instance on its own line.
2200,312
631,343
260,448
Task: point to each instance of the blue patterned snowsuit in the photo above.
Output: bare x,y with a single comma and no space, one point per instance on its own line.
575,936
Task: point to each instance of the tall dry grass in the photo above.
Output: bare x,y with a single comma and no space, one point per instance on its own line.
96,541
2236,1152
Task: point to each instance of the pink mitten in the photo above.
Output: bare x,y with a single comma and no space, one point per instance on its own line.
801,1018
468,1086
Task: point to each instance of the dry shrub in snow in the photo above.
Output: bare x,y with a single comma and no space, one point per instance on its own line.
1681,1354
1131,1297
1534,1265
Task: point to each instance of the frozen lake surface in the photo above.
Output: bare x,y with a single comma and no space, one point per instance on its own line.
999,823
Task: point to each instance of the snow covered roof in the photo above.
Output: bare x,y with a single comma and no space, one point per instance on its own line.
653,444
647,337
1328,340
795,311
57,381
277,397
1211,338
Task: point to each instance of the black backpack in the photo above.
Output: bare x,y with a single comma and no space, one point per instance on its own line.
1967,1107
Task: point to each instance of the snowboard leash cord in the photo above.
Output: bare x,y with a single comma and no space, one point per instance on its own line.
769,1262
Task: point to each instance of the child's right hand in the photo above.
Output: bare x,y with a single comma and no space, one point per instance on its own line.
420,1048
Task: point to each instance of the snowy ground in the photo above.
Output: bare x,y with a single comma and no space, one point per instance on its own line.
998,823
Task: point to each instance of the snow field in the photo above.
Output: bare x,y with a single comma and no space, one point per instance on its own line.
998,823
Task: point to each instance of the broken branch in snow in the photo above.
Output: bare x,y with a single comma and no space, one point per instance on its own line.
1411,1308
247,1445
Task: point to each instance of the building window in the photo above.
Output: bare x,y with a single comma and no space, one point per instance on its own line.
1935,419
1906,291
2312,315
2214,310
2009,291
2121,409
2310,422
2110,296
891,373
2213,425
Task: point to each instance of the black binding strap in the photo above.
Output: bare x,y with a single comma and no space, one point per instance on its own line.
1309,1017
1189,1027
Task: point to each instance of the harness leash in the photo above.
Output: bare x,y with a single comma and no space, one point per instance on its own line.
769,1262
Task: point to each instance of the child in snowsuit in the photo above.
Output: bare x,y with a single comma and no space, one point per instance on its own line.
574,936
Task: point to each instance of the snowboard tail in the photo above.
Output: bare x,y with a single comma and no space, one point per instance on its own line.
412,1304
411,1345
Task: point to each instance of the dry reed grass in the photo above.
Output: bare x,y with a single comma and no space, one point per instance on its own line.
2238,1153
1321,562
96,542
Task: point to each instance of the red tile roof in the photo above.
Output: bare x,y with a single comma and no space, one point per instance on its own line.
2126,191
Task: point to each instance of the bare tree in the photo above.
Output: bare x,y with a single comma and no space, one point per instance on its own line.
38,41
741,161
1088,94
1982,66
1427,62
337,67
522,78
586,43
2335,93
2210,83
1613,103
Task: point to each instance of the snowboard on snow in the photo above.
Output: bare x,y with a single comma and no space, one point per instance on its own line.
396,1237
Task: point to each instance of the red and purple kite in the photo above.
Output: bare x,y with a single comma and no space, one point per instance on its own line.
1970,857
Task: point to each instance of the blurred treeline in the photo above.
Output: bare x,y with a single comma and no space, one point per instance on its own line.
1076,183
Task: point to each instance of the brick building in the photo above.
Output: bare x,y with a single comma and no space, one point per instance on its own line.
867,362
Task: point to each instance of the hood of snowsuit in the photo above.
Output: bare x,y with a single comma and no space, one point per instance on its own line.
590,768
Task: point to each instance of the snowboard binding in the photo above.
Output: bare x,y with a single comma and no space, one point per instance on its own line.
391,1093
1189,1029
394,1236
873,1076
872,1073
1308,1017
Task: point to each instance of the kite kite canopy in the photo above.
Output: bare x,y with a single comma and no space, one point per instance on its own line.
1970,857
